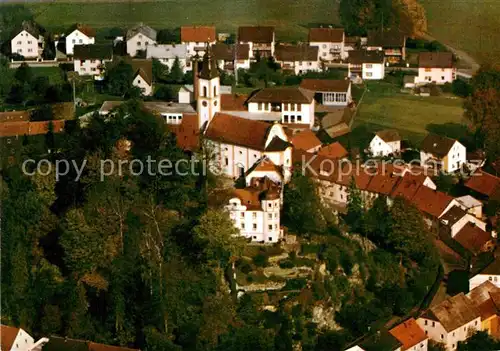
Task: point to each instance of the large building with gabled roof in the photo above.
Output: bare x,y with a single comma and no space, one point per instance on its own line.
139,38
28,40
442,153
79,34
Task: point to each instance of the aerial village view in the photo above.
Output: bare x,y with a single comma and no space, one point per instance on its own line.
279,175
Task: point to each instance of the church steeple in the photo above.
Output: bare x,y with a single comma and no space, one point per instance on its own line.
208,89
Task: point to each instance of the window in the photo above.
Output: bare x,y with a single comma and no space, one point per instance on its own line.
30,50
215,91
285,118
442,336
19,50
270,238
369,74
139,43
226,161
495,279
270,215
254,215
146,43
80,41
425,323
83,69
369,65
275,215
205,92
285,107
254,155
19,42
242,225
242,214
138,81
324,46
490,279
260,106
270,205
433,324
299,107
442,77
254,226
93,69
73,41
275,226
270,227
475,323
309,63
292,107
299,118
323,54
140,36
428,70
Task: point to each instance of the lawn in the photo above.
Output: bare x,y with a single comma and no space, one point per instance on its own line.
472,25
290,18
55,74
383,106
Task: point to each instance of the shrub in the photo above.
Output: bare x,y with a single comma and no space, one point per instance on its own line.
461,88
295,284
286,264
244,266
261,260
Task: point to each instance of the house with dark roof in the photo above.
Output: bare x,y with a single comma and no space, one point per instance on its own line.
139,38
451,321
298,59
391,42
329,41
329,92
455,218
27,40
486,298
366,64
436,68
196,38
143,75
485,185
91,59
261,40
289,105
385,142
232,56
79,34
168,53
17,339
490,273
442,153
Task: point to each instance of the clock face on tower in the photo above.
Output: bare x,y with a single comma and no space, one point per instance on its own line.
204,103
215,103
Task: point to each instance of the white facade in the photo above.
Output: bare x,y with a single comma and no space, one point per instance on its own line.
289,112
196,47
480,278
138,42
24,341
77,38
330,51
261,224
436,75
166,54
456,157
301,67
337,98
25,44
435,331
373,71
89,67
379,147
140,82
208,100
468,218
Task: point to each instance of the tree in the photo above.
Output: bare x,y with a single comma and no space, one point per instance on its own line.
11,16
7,77
479,341
355,209
50,141
119,79
176,74
160,71
378,221
168,36
412,18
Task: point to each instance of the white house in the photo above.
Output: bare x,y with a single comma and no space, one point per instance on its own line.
261,40
410,335
456,218
196,38
17,339
231,57
292,106
451,321
143,75
329,92
330,42
298,59
79,34
91,59
28,42
471,205
256,213
139,38
385,142
167,53
435,67
490,273
442,153
366,65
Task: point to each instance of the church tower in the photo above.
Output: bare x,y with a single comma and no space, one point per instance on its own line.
208,89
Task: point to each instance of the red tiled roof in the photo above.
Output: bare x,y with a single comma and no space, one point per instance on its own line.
264,165
334,150
305,140
484,183
435,60
249,197
88,31
7,336
256,34
472,238
328,85
431,201
283,95
408,186
200,34
238,131
29,128
187,133
408,333
233,102
326,35
383,183
14,116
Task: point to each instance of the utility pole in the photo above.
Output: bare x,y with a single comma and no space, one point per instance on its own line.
74,93
235,60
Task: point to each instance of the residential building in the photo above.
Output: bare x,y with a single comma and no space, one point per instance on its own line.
471,205
290,106
474,239
264,173
410,335
391,42
385,142
451,321
143,75
335,121
139,38
17,339
436,68
261,40
305,140
167,54
330,43
256,213
14,116
91,59
442,153
28,41
351,43
366,65
57,343
486,298
484,185
231,57
456,218
329,92
333,151
382,340
196,38
79,34
490,273
298,59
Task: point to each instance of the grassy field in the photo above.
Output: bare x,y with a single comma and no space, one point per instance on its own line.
383,107
290,18
55,74
472,26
